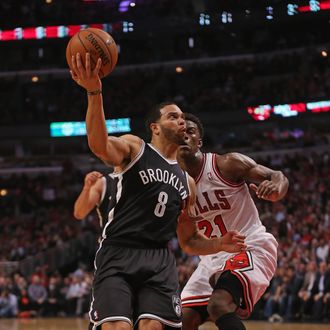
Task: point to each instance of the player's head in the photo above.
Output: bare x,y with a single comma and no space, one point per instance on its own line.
193,137
166,120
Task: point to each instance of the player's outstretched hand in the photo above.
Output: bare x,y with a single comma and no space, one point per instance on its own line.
91,178
267,190
232,242
83,74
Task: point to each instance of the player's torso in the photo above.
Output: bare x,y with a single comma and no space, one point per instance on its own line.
147,200
223,205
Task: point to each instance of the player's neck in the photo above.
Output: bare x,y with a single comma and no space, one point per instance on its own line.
168,151
192,164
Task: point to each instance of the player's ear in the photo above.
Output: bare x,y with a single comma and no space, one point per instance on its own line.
154,128
200,143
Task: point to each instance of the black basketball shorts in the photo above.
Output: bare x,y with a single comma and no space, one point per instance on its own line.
132,284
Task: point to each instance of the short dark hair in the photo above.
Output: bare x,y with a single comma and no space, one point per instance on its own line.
154,114
196,120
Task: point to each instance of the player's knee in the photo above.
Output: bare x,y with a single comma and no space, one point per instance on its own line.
116,326
220,303
146,324
191,319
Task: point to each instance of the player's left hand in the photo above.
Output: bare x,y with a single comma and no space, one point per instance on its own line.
232,242
266,190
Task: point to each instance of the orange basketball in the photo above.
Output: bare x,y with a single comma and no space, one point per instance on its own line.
99,44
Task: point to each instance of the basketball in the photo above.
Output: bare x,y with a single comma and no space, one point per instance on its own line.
99,44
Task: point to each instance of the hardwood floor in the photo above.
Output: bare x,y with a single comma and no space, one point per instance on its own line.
81,324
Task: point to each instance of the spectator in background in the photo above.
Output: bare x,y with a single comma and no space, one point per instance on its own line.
37,294
75,292
305,293
320,288
295,285
322,250
288,299
54,297
271,295
8,304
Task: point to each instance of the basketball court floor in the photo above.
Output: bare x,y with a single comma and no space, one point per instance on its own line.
81,324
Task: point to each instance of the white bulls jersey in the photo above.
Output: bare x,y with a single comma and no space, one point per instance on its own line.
225,206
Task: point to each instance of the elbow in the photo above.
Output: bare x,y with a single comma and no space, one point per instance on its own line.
285,185
188,250
78,215
186,247
97,150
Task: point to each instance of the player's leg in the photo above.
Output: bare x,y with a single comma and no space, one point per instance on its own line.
225,300
158,304
195,296
113,325
112,296
117,325
192,319
148,324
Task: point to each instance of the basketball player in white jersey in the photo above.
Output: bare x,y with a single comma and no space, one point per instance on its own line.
226,286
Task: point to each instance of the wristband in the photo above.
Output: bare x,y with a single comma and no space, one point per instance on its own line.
96,92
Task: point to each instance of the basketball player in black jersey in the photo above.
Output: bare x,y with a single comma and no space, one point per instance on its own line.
91,195
96,193
135,274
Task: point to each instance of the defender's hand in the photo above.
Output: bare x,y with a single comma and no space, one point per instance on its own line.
232,242
267,190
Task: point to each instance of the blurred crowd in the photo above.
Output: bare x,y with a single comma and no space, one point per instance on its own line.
42,219
37,213
45,295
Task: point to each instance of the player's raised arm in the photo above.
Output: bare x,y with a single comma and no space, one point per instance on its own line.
115,151
268,184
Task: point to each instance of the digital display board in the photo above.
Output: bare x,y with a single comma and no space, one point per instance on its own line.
61,31
263,112
78,128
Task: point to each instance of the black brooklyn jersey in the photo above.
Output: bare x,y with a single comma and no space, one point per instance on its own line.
145,201
107,202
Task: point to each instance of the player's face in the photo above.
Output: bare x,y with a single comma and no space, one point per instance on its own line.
193,139
172,124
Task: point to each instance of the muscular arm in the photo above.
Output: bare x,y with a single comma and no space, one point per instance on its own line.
272,185
194,242
90,195
115,151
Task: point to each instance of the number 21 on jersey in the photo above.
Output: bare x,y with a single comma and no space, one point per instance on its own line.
211,228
